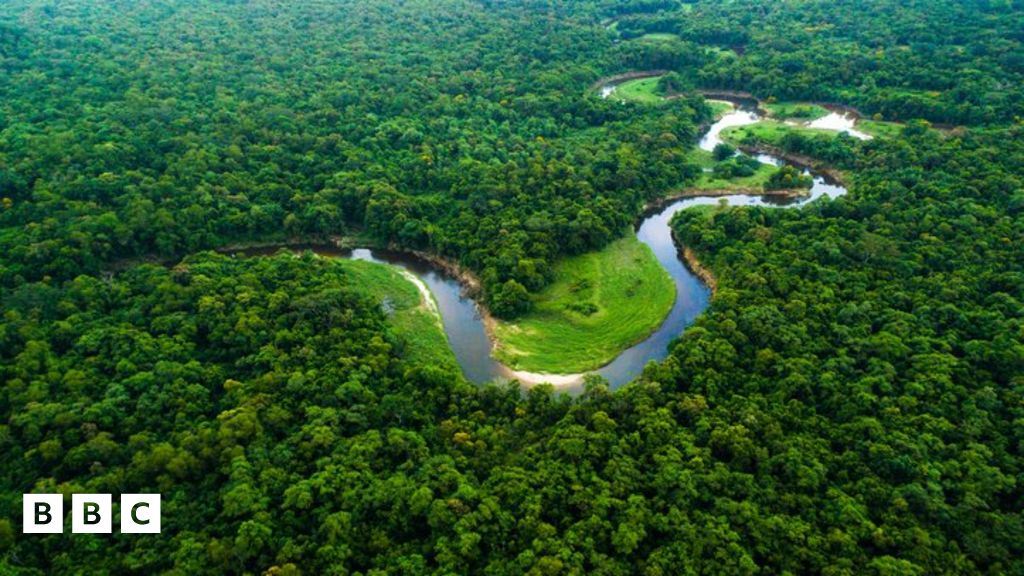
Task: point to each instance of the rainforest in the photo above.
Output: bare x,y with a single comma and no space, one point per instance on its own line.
503,287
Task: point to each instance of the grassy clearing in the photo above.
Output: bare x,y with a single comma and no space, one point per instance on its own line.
599,304
709,181
720,108
417,323
796,111
720,52
771,131
659,37
880,129
809,112
642,90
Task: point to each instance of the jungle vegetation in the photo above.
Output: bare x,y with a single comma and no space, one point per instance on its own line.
851,403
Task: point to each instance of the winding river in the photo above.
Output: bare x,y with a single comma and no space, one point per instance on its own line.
466,329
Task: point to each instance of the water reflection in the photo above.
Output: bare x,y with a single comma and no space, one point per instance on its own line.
839,122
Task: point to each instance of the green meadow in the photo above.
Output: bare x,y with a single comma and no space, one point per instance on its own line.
710,181
802,111
412,318
599,304
642,90
659,37
770,131
720,108
796,111
879,128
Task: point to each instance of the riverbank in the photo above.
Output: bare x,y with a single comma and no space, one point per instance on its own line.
798,160
410,306
608,84
689,257
472,287
660,203
640,90
625,76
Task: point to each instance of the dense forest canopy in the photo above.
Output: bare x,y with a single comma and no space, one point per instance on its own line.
851,403
946,61
166,127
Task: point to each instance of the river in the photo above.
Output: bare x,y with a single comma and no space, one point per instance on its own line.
466,330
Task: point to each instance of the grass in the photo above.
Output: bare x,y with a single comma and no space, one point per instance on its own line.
642,90
809,112
880,129
720,108
796,111
708,181
412,319
599,304
770,131
719,51
659,37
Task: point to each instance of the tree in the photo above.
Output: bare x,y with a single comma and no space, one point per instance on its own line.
788,178
722,151
509,300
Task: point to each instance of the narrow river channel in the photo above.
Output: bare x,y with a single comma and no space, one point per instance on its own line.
465,328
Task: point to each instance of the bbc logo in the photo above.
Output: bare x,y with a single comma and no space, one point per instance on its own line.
90,513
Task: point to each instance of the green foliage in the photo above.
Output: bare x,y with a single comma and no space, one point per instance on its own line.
411,317
738,166
510,300
834,148
723,151
719,108
880,129
671,84
879,333
772,132
449,128
598,305
788,178
741,173
796,110
224,384
641,90
954,62
659,37
851,403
